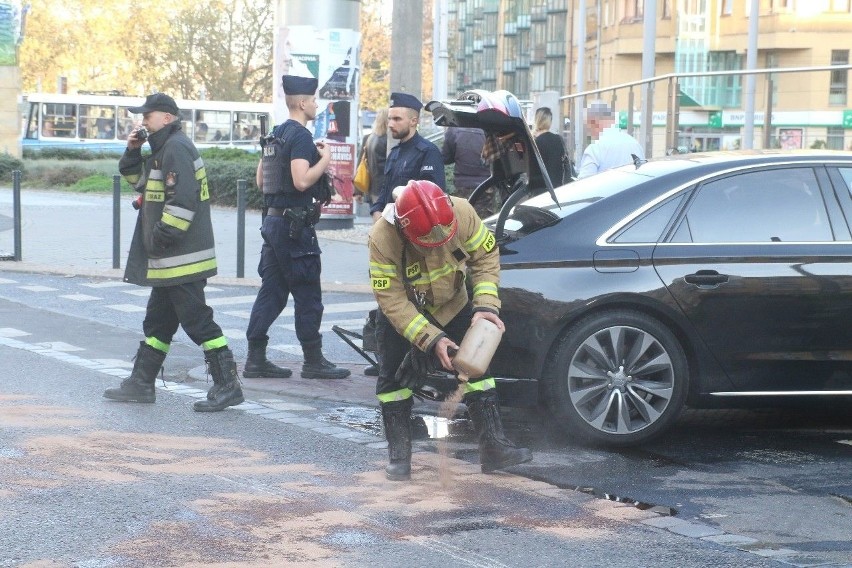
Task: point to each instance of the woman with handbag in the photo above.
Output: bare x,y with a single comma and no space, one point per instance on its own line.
550,146
373,158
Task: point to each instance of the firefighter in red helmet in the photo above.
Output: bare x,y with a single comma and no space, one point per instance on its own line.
421,252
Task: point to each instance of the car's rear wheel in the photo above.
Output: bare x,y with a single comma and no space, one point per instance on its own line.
618,378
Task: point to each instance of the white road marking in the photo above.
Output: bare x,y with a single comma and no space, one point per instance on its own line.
107,284
231,300
234,333
212,289
342,308
38,288
12,332
144,293
326,325
80,297
847,442
59,346
7,281
126,308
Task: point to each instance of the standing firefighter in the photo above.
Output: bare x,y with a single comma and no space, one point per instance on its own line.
419,253
173,252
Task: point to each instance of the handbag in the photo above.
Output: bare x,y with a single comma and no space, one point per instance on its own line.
362,176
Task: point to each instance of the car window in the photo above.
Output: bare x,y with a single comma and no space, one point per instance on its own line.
778,205
650,226
847,177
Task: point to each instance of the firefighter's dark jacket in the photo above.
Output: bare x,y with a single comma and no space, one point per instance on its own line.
437,273
173,240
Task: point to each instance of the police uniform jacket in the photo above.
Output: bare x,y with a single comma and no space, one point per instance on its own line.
173,240
437,274
416,158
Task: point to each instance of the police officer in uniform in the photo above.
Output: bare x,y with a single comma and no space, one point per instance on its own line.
413,158
291,170
172,251
420,251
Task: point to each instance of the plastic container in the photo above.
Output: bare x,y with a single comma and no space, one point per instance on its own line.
477,349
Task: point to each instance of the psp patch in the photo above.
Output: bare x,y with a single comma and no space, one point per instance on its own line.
380,283
489,243
171,179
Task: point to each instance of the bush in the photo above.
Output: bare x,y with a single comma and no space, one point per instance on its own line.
98,183
222,177
8,164
68,154
229,154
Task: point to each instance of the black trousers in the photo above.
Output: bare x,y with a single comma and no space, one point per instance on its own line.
184,305
393,347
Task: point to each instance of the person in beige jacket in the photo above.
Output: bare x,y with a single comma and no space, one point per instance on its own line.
422,250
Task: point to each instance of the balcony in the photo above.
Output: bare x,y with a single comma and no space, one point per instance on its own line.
510,28
524,22
538,14
509,67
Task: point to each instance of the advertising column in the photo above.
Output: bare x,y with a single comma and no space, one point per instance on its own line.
10,79
320,39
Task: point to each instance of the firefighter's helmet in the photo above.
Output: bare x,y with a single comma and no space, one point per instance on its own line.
424,214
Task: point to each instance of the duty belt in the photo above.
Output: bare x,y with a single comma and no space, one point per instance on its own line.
275,212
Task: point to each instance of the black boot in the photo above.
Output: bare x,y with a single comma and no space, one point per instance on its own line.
318,367
397,419
258,366
495,450
139,386
226,389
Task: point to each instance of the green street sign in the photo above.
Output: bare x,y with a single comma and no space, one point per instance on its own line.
847,119
714,119
622,119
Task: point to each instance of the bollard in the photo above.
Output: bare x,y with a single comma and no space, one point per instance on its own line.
16,208
241,227
116,221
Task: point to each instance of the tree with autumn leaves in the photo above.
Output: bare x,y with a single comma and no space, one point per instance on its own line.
220,47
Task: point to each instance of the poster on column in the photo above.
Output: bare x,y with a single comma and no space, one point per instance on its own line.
330,56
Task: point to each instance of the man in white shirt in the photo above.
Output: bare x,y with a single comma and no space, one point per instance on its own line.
610,147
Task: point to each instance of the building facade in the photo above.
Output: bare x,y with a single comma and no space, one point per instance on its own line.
530,46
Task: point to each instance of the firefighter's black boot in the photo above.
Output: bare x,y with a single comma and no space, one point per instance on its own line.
226,389
495,450
258,366
318,367
139,386
397,419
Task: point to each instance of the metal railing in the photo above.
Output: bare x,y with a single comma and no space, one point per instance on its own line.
577,103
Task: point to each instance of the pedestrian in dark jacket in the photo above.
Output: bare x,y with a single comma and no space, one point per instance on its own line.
550,146
173,252
376,153
463,147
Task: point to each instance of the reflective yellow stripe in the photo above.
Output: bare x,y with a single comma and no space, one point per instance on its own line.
395,396
435,275
186,270
485,288
220,341
377,269
175,222
200,174
415,327
157,344
484,384
477,239
156,185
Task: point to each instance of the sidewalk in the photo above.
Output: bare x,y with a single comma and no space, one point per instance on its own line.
68,233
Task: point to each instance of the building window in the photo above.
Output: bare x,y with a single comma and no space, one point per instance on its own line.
841,5
633,10
839,79
667,9
834,137
727,7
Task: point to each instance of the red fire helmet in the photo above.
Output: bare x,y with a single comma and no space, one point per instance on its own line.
424,214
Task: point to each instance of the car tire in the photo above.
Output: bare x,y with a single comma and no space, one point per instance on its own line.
617,378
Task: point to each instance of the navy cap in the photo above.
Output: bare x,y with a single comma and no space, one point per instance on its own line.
157,101
294,85
405,100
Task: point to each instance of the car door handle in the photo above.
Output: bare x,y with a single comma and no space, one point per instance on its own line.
706,278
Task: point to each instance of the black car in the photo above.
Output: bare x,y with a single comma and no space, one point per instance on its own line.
703,280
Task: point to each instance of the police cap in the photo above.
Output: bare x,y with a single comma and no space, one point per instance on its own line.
294,85
158,101
405,100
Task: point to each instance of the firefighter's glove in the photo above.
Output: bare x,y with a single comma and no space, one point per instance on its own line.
415,368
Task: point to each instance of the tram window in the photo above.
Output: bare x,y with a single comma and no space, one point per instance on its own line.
186,121
59,119
246,127
217,123
126,121
97,122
